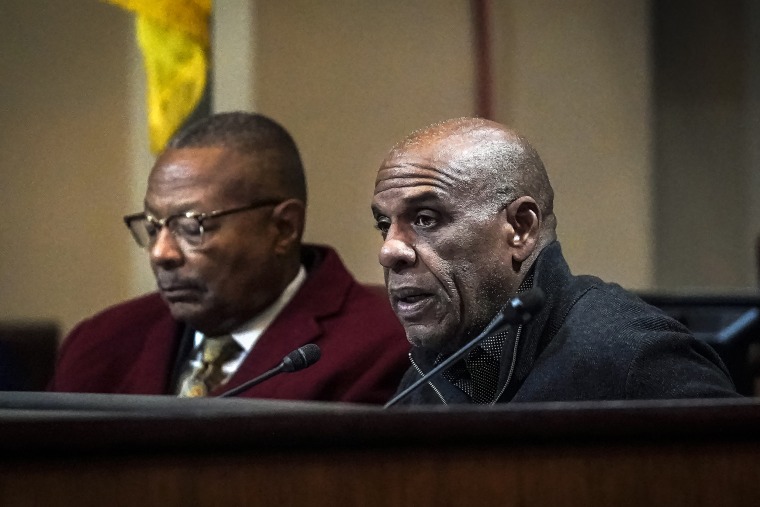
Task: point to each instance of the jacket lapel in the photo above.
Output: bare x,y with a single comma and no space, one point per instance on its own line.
152,369
323,294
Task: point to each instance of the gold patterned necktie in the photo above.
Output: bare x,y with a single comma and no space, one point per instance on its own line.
205,377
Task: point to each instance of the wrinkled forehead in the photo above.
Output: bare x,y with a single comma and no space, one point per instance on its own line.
443,164
397,174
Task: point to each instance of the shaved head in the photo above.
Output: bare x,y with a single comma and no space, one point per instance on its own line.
465,207
492,154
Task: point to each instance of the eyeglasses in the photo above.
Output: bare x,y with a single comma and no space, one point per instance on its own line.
186,227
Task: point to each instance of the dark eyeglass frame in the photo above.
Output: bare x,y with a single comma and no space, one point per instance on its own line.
133,220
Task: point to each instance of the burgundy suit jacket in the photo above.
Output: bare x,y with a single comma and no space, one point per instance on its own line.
132,348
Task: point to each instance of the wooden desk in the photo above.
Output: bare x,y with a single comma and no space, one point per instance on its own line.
87,450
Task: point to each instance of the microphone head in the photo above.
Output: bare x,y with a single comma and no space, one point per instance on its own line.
523,307
301,358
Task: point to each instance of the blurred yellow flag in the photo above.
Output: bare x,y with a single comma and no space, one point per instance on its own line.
174,38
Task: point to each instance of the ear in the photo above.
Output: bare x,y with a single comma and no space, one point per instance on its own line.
524,219
288,218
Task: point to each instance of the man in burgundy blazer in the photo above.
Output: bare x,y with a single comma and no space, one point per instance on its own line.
223,219
134,347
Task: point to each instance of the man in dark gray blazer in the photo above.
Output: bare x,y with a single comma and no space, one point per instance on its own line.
465,209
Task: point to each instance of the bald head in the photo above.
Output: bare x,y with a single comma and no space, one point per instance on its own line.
488,153
465,207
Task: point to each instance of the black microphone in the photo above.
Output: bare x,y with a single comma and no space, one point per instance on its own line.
301,358
518,310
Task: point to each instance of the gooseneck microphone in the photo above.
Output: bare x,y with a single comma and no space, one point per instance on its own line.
301,358
519,310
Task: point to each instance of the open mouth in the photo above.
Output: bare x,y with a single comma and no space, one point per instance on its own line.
410,303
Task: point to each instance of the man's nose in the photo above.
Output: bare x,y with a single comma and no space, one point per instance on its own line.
396,252
165,250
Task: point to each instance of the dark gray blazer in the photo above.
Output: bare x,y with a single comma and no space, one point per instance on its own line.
591,341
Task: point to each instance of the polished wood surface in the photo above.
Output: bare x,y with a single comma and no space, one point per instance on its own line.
99,450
